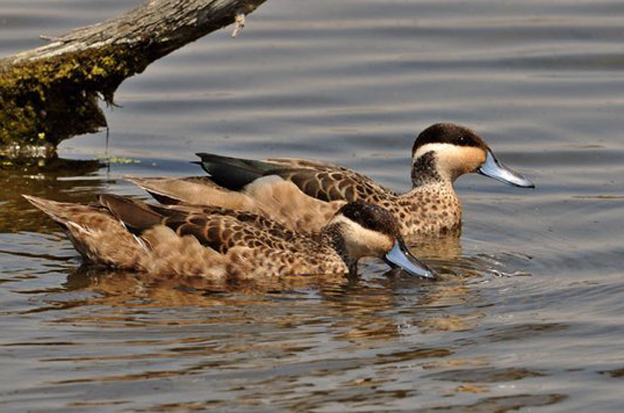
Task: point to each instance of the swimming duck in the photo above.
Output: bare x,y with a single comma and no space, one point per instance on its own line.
219,244
304,194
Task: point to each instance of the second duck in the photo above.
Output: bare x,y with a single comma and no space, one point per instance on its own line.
304,195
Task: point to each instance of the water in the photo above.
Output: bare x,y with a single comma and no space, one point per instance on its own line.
530,315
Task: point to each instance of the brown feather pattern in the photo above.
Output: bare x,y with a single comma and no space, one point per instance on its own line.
191,241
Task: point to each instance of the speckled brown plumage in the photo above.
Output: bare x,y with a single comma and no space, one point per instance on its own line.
183,240
430,208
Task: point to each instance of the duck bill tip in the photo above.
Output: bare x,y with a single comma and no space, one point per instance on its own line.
493,168
401,257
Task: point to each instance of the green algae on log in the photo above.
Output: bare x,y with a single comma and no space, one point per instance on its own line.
52,93
51,99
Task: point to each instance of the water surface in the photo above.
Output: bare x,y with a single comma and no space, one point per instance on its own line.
529,315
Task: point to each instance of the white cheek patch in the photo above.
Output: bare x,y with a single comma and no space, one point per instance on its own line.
452,160
438,148
362,242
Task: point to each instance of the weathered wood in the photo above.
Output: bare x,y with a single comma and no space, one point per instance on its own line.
51,93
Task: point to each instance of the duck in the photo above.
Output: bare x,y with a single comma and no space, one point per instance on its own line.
305,194
222,244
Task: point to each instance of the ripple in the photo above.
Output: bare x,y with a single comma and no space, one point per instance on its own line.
504,403
528,314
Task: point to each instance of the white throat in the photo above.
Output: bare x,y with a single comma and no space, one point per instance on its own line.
443,153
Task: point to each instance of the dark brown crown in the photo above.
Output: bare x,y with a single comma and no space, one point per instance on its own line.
448,133
371,217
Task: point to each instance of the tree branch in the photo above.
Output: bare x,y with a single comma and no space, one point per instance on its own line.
51,93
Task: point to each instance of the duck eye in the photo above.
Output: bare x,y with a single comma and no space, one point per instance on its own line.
463,140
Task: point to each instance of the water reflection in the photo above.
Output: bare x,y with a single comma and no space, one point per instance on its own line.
485,375
238,339
503,403
370,303
69,180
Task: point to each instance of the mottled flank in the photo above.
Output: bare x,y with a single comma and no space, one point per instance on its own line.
219,243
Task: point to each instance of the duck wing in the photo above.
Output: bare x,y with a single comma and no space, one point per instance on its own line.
218,228
322,181
197,213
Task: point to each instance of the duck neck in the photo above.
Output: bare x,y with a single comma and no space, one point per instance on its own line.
332,237
425,171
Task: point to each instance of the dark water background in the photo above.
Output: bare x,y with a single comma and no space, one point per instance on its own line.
531,319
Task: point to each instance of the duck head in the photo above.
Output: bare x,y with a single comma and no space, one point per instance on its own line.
366,230
446,151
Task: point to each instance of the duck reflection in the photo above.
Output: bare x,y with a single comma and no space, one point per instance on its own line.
368,308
